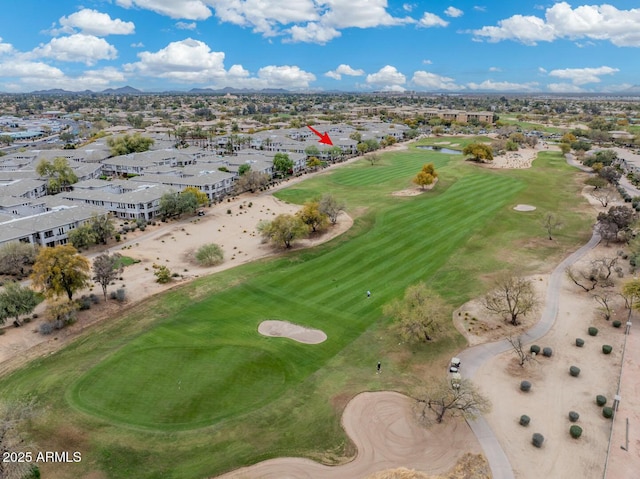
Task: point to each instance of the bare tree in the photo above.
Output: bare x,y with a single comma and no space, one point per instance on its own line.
373,158
106,268
511,297
597,274
519,350
604,300
13,414
458,397
551,223
603,195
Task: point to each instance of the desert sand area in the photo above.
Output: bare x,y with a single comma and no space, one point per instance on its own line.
382,424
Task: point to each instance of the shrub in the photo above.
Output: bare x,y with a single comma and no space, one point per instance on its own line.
579,342
117,236
607,412
209,255
547,352
616,324
575,431
537,439
593,331
525,386
525,420
601,400
606,349
113,295
573,416
84,303
574,371
534,349
121,294
46,328
162,274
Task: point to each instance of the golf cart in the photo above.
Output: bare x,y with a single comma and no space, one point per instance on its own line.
455,365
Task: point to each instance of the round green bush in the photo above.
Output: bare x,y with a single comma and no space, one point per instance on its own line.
574,371
593,331
534,349
573,416
525,386
209,255
607,412
575,431
616,324
525,420
579,342
537,439
606,349
601,400
547,352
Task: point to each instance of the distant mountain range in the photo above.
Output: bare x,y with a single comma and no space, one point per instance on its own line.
128,90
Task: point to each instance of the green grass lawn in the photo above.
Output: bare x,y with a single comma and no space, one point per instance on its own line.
185,387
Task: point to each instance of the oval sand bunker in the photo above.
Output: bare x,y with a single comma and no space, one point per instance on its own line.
524,208
285,329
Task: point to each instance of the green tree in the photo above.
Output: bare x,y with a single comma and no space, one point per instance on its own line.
123,145
60,270
162,274
16,300
103,227
314,162
479,152
58,173
201,197
311,215
331,206
631,295
209,255
283,229
596,181
107,268
419,315
426,176
244,168
282,163
6,139
312,150
82,237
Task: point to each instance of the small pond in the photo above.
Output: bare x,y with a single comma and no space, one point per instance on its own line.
439,149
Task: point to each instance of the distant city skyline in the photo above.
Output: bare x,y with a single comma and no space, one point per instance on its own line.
321,45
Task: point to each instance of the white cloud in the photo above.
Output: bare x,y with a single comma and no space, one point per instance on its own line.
503,86
5,48
480,8
311,21
582,76
427,62
137,45
344,70
20,69
394,88
192,61
432,20
453,12
386,77
82,48
187,9
542,70
408,7
186,26
432,81
495,69
595,22
313,33
96,23
564,88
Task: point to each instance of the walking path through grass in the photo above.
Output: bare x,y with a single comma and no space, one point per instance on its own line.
473,358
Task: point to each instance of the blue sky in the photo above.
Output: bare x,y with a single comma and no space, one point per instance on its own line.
320,45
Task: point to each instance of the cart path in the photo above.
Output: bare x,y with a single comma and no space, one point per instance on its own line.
473,358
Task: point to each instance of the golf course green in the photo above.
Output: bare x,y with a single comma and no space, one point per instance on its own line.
184,386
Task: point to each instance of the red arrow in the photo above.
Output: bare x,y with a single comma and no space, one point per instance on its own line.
324,137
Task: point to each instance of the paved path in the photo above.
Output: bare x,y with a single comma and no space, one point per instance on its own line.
473,358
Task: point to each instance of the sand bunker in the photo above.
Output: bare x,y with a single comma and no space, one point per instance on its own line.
524,208
285,329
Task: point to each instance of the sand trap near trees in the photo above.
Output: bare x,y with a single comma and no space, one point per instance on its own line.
524,208
284,329
383,427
